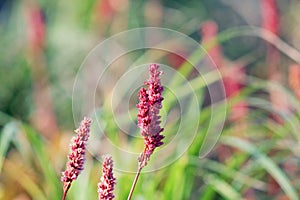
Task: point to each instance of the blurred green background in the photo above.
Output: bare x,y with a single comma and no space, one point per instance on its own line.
43,44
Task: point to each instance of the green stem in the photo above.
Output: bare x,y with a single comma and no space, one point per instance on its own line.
134,182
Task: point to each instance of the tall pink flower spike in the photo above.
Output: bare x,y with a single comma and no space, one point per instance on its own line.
232,84
148,114
150,103
271,22
77,156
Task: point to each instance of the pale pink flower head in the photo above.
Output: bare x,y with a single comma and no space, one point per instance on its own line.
270,15
150,103
294,79
36,28
108,181
209,33
76,157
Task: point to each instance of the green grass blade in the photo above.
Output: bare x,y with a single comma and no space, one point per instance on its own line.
265,162
222,187
7,135
228,172
17,172
44,161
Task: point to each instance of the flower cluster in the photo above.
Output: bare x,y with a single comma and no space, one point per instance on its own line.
77,156
108,181
150,103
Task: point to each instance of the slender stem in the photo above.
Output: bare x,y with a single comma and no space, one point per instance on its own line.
66,188
64,196
134,182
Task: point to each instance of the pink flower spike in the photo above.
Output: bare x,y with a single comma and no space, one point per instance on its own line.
108,181
150,103
77,156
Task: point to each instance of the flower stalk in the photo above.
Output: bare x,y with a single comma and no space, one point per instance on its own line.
150,103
